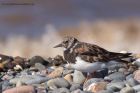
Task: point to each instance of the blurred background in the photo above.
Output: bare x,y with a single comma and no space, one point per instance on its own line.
33,27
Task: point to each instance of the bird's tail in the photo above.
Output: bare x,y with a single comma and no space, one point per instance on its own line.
126,57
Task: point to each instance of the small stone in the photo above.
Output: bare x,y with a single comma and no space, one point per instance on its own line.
18,68
5,85
21,89
60,90
57,83
79,91
115,86
122,70
56,73
75,87
96,87
91,81
127,90
22,79
38,59
137,75
39,66
37,80
137,62
69,77
137,88
78,77
132,82
105,91
116,75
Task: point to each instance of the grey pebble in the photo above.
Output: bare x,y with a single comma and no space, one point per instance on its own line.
79,91
57,83
39,66
75,87
22,79
38,59
105,91
127,90
137,62
115,86
132,82
37,80
78,77
137,88
115,76
60,90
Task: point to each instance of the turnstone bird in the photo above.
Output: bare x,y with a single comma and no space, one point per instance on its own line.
88,57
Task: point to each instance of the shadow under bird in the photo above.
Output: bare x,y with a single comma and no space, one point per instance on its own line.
88,57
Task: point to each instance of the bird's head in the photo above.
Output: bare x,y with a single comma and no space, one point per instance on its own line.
67,43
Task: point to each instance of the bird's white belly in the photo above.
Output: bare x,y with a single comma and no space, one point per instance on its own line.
86,66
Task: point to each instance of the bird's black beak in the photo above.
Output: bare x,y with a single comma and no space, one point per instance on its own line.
59,45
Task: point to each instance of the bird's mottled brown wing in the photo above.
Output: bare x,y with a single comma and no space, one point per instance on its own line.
91,53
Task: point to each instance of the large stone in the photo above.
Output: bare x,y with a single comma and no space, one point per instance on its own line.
57,83
21,89
78,77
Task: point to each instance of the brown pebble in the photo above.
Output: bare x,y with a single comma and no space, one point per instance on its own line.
56,73
137,75
68,77
21,89
96,87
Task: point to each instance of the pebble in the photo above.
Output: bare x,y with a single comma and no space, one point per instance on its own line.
137,88
69,78
22,79
105,91
137,62
75,87
78,77
96,87
60,90
38,59
39,66
115,76
127,90
37,80
21,89
115,86
78,91
91,81
132,82
57,83
56,73
137,75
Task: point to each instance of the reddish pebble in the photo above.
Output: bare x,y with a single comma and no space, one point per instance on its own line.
137,75
21,89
